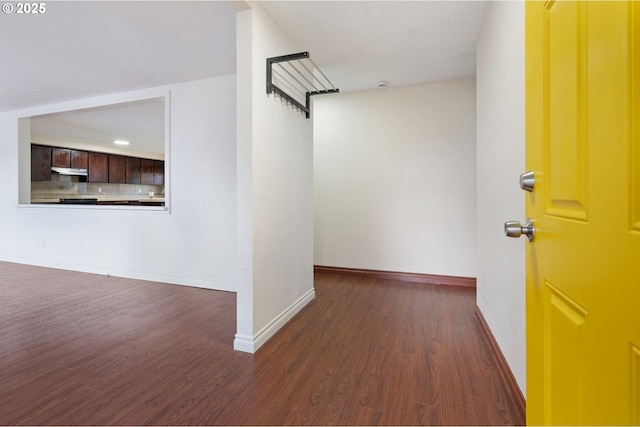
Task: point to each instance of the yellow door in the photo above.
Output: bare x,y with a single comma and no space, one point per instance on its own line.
583,266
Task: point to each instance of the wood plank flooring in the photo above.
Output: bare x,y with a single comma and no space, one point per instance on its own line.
84,349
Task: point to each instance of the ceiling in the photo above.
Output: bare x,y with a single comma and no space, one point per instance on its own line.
81,49
359,43
141,123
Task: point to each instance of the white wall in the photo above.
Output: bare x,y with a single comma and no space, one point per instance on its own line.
193,244
501,261
394,176
275,190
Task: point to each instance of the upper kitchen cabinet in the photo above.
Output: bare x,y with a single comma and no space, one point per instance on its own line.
117,169
67,158
133,170
40,163
79,159
101,167
152,172
146,172
98,167
158,172
60,157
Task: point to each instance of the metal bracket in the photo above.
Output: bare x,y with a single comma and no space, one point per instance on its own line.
308,87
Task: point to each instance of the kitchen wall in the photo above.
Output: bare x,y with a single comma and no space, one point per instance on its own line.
395,175
65,186
275,190
193,243
501,141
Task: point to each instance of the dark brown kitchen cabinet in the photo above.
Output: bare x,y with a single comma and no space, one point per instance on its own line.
60,157
101,167
146,172
158,172
98,167
79,159
133,170
40,163
117,169
67,158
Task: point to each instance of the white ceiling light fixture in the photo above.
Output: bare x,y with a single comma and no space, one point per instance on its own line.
382,84
121,142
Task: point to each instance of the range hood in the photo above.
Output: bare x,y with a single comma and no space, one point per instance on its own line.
70,171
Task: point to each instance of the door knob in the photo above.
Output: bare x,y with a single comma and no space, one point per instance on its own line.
515,229
527,181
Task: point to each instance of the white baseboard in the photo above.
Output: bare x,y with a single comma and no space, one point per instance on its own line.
244,343
250,344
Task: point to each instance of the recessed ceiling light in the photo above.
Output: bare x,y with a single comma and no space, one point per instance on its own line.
121,142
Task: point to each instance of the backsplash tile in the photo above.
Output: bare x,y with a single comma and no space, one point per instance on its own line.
64,186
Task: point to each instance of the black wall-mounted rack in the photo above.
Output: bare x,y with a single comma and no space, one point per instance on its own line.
295,79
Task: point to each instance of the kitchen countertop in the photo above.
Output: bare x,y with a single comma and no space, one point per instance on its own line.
103,199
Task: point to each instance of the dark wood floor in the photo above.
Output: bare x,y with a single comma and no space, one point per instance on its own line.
83,349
